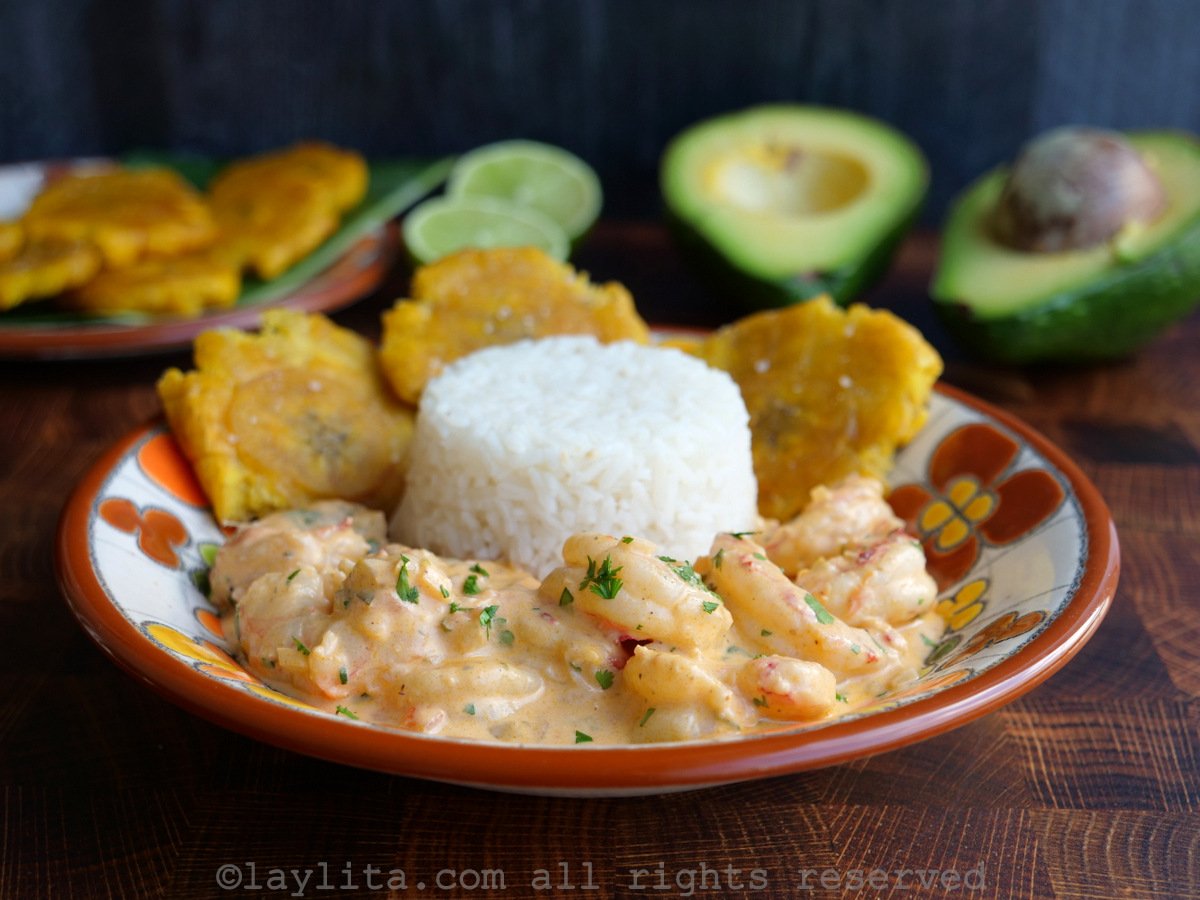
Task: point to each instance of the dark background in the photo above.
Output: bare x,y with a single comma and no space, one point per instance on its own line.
612,80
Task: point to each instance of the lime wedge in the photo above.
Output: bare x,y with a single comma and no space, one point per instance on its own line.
443,225
543,177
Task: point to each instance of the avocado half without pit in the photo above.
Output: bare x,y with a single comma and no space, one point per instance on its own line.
782,203
1084,250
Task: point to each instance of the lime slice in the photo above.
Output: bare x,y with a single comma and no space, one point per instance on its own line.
443,225
548,179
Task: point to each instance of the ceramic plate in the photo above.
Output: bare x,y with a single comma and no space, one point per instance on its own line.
1020,543
37,331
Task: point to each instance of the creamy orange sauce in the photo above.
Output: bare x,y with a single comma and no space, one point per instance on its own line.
796,623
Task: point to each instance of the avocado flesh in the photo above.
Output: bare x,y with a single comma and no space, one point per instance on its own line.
781,203
1097,303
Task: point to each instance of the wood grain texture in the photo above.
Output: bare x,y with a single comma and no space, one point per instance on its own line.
1088,787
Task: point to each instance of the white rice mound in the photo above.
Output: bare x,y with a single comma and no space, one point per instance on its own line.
519,446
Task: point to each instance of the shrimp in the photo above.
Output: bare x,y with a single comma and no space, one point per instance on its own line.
497,689
884,580
786,688
323,536
621,581
662,678
780,617
850,512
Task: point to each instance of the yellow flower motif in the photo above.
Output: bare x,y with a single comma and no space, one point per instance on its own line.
176,640
967,603
212,661
965,504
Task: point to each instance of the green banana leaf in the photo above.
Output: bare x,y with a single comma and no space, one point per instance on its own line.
393,187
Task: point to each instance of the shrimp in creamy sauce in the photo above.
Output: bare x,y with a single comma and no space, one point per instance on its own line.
798,623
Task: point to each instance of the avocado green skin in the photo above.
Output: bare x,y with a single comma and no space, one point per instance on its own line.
753,292
1106,318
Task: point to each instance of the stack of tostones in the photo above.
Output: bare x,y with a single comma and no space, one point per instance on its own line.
477,298
181,285
12,236
128,214
113,240
274,209
830,392
45,268
295,413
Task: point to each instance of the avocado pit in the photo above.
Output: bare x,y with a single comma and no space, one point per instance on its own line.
1074,188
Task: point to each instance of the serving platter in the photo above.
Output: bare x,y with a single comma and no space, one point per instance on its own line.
1021,544
354,275
349,266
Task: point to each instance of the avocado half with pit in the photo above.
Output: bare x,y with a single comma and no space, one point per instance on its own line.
1017,285
782,203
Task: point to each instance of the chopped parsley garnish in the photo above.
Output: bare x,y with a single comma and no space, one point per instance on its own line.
445,593
202,582
348,713
761,556
293,574
766,633
471,585
627,540
709,606
566,598
300,646
604,678
469,709
479,570
454,607
343,675
602,580
404,589
507,637
760,701
841,698
855,649
814,604
719,558
646,717
582,738
741,535
688,574
486,616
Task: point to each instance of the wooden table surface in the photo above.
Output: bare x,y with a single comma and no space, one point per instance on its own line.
1087,787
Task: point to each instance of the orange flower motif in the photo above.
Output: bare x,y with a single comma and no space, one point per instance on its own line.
158,531
975,500
164,464
1009,625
